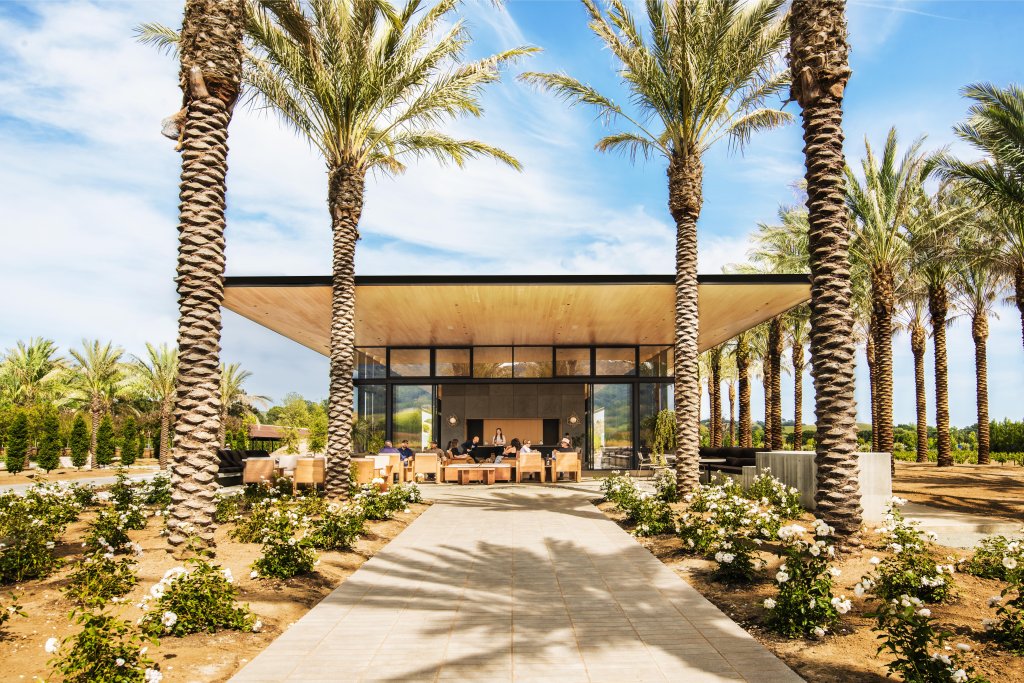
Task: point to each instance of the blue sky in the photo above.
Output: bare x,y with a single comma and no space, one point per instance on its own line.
89,187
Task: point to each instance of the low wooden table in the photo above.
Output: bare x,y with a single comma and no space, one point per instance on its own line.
468,475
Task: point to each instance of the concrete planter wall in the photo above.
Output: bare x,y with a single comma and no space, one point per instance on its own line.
798,469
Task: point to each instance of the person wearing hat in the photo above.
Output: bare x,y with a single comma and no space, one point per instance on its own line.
565,446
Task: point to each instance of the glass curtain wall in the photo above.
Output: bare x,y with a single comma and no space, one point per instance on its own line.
611,427
654,398
412,416
370,406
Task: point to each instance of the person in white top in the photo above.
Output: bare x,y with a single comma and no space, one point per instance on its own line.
526,448
499,438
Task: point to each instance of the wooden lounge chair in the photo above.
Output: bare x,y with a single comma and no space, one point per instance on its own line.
568,463
257,470
427,464
310,471
364,470
530,463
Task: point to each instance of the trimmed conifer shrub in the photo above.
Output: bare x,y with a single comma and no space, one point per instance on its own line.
48,457
79,442
129,441
17,443
105,446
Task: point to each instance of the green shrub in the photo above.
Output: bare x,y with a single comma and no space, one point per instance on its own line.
911,569
989,557
108,532
105,446
194,599
127,502
83,494
27,537
964,457
106,649
129,442
57,503
284,554
157,491
338,528
402,495
907,632
771,492
805,605
1008,626
251,528
48,456
99,577
617,487
374,502
229,508
665,485
17,443
79,442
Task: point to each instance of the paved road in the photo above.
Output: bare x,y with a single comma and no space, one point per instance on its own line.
95,481
523,583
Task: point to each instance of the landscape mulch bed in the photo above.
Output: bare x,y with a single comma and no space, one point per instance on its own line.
849,654
991,490
198,658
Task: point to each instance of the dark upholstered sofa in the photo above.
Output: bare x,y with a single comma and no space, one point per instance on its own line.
735,458
231,463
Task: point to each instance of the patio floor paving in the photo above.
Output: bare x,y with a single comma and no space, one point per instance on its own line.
523,583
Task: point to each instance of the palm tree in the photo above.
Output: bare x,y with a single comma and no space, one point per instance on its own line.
797,320
232,395
913,314
97,379
367,85
741,354
883,204
995,126
978,285
210,50
776,346
701,73
715,394
818,55
154,378
33,370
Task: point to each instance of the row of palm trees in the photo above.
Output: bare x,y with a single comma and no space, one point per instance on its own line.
369,85
98,377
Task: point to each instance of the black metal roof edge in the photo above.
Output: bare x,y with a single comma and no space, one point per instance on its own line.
398,280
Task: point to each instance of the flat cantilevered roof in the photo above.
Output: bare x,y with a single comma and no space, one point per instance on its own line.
513,310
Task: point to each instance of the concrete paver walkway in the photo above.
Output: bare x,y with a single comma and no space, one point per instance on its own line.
514,584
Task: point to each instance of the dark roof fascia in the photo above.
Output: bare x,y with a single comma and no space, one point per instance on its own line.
519,280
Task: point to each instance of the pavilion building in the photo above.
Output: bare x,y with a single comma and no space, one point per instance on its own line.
452,357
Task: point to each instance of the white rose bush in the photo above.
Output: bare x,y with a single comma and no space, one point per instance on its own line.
650,514
1008,626
107,649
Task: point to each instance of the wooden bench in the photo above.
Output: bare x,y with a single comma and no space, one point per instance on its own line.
471,474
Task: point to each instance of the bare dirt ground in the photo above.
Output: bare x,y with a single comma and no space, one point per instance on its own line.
198,658
849,655
994,490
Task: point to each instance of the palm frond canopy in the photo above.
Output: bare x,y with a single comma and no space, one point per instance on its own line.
98,375
368,84
232,393
883,202
932,230
702,71
995,126
32,370
783,247
980,278
154,377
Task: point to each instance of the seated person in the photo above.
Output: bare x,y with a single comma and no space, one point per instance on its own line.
565,446
512,449
468,446
435,450
499,437
405,451
388,449
455,455
526,448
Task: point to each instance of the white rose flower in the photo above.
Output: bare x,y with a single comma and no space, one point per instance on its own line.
153,676
835,571
819,632
963,647
257,626
769,603
157,590
959,676
254,574
994,600
874,560
858,590
782,577
169,620
1010,562
52,645
119,661
924,612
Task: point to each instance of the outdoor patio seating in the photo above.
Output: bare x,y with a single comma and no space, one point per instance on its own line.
451,473
567,463
530,463
427,464
364,470
286,465
258,470
310,471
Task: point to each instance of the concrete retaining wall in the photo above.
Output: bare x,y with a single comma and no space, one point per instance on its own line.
798,469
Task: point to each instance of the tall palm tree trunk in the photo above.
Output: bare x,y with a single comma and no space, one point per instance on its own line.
938,306
222,431
1018,291
979,330
917,347
211,65
345,197
775,345
818,60
732,413
685,197
798,397
95,410
716,401
165,433
767,386
869,353
883,296
743,370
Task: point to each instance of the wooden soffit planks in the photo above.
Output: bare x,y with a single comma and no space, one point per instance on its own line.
526,311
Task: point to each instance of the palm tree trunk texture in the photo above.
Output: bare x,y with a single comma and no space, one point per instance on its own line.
165,433
95,409
979,330
732,413
798,397
345,197
766,366
882,301
1018,290
917,347
222,431
869,353
211,64
818,61
716,401
711,410
775,345
938,307
685,197
743,370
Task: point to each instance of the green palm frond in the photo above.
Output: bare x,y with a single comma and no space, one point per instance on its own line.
163,38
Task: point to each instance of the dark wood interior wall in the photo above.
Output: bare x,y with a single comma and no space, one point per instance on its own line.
483,401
